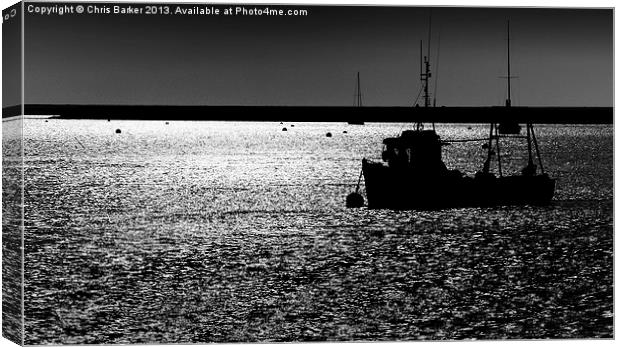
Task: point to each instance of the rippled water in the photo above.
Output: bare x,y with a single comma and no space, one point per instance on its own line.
222,231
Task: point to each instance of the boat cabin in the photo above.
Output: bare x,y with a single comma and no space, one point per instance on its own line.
418,150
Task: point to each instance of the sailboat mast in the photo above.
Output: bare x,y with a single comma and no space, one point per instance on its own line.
358,95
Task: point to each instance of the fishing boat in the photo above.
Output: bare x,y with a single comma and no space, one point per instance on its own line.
412,174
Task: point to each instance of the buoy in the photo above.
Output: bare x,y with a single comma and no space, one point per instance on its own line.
46,121
328,134
118,131
344,132
281,123
167,123
284,129
468,128
292,125
108,120
355,200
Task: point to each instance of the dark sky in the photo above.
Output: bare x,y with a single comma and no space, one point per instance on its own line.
11,57
562,57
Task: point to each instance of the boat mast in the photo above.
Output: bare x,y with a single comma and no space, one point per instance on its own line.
425,71
436,73
508,101
427,68
358,95
494,134
494,130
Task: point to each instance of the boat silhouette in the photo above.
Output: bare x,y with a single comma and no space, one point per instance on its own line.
412,174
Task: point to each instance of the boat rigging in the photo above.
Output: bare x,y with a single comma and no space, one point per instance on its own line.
414,176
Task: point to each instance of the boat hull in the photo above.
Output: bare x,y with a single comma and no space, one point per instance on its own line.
399,189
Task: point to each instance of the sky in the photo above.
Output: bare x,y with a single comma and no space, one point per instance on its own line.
561,57
11,57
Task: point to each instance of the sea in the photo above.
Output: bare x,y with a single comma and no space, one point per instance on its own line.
198,232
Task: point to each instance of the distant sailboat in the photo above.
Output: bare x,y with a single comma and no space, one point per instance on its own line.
358,101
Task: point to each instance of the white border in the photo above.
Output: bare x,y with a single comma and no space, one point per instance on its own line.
469,3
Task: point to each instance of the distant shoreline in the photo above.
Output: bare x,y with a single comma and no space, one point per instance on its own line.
540,115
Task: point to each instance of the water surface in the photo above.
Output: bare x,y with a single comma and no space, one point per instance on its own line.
235,231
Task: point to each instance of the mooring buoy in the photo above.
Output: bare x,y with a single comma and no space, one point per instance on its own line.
284,129
118,131
355,200
328,134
